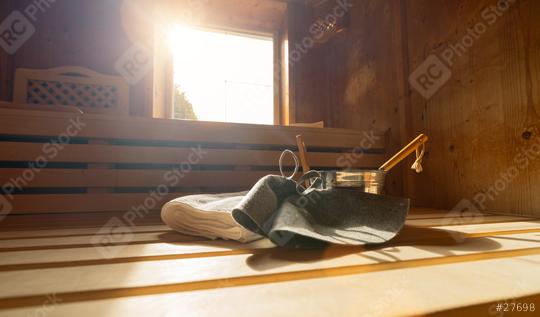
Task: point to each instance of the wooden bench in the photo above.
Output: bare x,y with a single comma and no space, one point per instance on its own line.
440,265
66,169
56,259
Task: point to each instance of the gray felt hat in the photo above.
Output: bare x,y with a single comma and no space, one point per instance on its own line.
273,208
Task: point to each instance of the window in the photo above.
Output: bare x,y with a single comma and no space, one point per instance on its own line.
220,76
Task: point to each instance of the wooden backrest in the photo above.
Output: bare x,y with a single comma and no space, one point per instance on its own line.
77,167
85,89
319,124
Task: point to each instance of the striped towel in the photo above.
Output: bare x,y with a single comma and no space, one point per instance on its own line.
207,216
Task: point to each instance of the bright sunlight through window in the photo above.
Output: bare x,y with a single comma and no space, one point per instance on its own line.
221,76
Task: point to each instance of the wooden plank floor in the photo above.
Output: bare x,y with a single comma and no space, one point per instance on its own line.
440,264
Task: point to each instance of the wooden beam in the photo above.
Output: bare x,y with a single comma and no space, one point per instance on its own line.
94,153
30,123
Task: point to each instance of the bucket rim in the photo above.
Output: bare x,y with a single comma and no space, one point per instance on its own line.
355,171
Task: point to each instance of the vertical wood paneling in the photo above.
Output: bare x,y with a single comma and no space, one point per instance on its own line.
352,81
488,111
6,61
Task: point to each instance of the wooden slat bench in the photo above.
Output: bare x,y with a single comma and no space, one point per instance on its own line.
438,265
69,168
56,259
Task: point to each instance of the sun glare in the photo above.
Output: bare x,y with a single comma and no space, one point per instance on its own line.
225,76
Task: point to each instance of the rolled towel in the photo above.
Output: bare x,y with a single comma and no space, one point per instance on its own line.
207,216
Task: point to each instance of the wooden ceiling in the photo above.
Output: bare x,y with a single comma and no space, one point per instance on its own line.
259,16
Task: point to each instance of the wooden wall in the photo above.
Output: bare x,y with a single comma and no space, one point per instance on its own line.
354,80
484,122
76,32
6,71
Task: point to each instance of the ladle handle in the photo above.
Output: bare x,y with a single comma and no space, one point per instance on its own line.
303,156
406,151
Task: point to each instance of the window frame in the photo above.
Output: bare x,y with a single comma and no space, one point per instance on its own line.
163,87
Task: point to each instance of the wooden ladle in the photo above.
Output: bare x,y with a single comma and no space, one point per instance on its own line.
406,151
303,156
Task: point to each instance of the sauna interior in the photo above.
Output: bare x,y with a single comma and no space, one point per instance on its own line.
114,114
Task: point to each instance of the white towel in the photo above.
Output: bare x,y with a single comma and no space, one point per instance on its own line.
207,216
